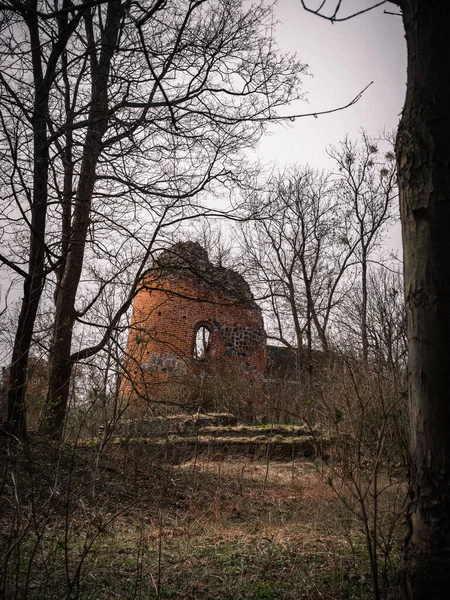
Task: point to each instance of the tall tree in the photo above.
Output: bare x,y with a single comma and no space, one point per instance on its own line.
366,184
423,156
142,106
314,238
295,256
29,59
423,159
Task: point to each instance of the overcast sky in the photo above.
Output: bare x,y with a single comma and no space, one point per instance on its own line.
343,58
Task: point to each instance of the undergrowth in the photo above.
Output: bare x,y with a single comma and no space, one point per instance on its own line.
124,522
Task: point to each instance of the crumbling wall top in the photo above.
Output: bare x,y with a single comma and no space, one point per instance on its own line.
189,260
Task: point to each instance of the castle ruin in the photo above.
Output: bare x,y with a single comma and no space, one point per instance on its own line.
193,324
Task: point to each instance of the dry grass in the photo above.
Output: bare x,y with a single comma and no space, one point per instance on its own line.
130,523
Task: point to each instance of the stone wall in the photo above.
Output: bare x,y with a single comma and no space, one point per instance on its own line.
180,294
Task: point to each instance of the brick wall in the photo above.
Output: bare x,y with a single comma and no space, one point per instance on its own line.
174,302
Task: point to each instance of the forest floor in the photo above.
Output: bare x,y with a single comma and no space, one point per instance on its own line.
132,520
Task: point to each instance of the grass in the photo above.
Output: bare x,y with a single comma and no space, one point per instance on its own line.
132,523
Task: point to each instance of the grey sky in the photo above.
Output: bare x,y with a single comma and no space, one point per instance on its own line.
343,58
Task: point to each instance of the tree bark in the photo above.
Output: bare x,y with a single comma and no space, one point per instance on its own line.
423,156
33,284
364,299
65,314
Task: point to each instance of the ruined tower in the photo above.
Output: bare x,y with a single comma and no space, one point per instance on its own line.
194,326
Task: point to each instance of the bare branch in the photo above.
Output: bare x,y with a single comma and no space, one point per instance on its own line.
334,18
14,267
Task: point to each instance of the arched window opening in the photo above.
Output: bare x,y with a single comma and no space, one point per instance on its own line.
202,338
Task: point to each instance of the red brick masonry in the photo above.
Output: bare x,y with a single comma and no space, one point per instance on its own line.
180,294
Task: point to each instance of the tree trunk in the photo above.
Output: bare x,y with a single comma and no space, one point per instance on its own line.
33,285
423,155
364,335
65,314
295,316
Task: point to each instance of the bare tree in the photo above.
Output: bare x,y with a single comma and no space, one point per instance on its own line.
296,256
423,155
118,117
366,184
29,61
387,321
